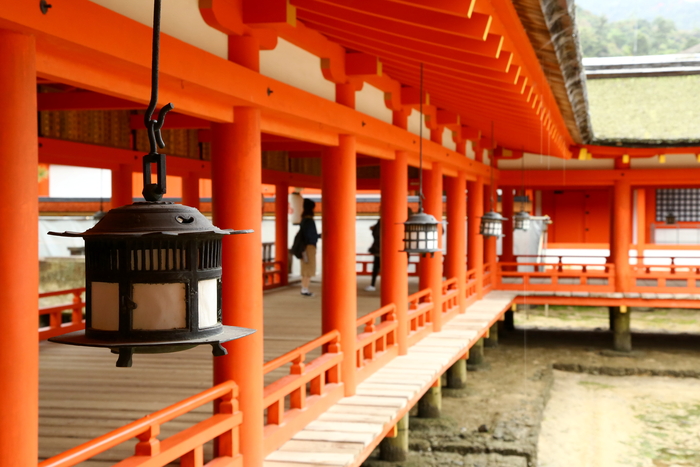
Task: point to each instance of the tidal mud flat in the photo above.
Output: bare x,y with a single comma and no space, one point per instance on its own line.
521,409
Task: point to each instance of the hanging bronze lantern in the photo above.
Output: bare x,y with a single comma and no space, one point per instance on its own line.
421,234
521,220
153,269
492,224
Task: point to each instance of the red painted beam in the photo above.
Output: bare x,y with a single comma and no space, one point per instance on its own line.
463,8
173,121
83,100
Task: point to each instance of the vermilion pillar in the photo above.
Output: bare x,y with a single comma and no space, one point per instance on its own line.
622,221
394,180
431,266
456,232
507,208
641,222
122,186
281,227
19,158
475,242
236,188
339,287
190,190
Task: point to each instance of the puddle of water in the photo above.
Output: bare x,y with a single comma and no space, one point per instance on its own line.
607,421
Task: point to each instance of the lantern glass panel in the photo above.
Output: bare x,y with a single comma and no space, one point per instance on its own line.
208,303
104,306
159,306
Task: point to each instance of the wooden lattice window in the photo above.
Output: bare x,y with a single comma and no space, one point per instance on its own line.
684,203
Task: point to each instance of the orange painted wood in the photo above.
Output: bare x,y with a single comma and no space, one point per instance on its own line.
236,173
339,296
85,101
394,263
18,250
507,208
452,7
171,448
475,245
455,266
431,265
281,230
621,238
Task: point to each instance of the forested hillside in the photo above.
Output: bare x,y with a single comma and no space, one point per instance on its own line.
603,38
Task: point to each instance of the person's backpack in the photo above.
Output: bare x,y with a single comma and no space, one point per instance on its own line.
298,247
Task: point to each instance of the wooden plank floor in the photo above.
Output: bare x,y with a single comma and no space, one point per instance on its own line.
83,395
348,432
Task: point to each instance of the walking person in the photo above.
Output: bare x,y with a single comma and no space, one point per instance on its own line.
310,236
375,250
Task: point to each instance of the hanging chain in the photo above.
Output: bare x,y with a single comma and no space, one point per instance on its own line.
420,137
155,191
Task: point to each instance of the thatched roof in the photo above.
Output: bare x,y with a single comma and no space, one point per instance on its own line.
551,28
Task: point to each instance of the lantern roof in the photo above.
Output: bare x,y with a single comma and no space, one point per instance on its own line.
152,218
494,216
421,218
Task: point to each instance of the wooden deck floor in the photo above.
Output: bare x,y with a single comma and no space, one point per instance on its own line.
83,395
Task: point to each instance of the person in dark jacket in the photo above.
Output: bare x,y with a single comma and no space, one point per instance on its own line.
310,237
375,250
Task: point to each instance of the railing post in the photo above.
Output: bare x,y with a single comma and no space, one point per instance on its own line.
475,242
456,234
431,265
19,359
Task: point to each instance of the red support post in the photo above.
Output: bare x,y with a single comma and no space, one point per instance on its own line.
190,190
641,222
19,158
456,233
339,286
281,230
475,242
394,263
122,186
490,243
621,239
236,188
431,266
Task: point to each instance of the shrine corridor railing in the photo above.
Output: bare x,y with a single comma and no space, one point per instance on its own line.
56,326
187,445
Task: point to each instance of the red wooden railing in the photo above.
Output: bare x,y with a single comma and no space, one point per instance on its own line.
365,261
377,342
671,274
487,281
289,407
556,277
56,326
272,274
420,321
470,287
450,299
186,445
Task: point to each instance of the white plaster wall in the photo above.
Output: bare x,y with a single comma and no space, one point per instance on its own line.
370,101
414,122
179,18
297,67
79,182
470,150
673,161
447,139
540,162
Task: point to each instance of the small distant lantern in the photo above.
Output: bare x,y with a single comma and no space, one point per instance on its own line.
421,234
522,220
492,224
671,219
153,269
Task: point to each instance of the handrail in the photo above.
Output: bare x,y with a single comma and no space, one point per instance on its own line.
418,295
371,317
56,326
148,428
299,351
